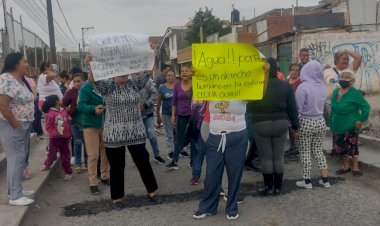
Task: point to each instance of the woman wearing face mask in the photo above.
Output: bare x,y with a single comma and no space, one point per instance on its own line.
349,110
123,128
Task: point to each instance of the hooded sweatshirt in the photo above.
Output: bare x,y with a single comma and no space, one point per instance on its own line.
312,92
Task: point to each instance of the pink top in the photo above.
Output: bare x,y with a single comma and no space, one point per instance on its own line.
57,123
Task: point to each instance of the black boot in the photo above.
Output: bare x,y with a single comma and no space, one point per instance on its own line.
268,182
277,183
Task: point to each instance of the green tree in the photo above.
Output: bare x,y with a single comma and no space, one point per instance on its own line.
210,24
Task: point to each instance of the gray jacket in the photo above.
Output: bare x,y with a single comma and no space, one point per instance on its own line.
148,98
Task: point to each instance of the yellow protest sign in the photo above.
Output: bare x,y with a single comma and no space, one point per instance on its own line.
227,71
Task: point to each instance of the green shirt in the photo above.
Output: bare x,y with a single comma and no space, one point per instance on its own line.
352,107
88,99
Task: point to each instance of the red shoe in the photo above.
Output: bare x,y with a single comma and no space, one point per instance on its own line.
195,181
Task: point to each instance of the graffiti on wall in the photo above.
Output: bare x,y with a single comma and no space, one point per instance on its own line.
320,51
369,70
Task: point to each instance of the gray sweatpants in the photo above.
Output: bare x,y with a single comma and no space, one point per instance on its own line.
270,137
15,143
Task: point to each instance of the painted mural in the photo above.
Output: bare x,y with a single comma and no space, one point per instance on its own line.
322,49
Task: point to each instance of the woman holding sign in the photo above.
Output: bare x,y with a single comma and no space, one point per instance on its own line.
124,127
271,117
224,129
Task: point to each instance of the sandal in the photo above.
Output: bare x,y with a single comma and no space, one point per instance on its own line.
357,173
343,171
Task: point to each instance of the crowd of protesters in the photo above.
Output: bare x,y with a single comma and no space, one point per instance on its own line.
91,123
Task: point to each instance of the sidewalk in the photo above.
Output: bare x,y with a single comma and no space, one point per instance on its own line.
12,215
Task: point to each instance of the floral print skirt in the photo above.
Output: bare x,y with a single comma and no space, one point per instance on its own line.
347,143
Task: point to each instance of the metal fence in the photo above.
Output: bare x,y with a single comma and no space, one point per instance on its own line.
20,39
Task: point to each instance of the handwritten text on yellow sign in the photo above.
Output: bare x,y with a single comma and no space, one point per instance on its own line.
227,71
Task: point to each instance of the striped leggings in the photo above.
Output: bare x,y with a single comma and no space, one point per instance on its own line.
311,137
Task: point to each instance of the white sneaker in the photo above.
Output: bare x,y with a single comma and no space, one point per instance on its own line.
72,161
302,184
326,185
23,201
26,193
232,217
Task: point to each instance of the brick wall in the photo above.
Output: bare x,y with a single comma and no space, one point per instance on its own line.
184,54
278,25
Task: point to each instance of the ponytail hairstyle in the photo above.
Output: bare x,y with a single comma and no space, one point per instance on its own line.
50,102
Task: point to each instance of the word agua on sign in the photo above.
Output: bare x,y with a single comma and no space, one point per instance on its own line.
210,62
118,50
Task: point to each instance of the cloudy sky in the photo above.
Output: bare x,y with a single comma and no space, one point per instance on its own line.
145,16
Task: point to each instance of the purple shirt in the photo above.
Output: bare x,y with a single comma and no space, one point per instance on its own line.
182,100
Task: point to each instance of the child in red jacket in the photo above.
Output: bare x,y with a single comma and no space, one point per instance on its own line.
58,128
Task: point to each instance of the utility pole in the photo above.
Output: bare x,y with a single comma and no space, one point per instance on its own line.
53,51
5,35
84,29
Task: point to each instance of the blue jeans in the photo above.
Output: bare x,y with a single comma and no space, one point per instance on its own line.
198,157
233,160
151,135
78,143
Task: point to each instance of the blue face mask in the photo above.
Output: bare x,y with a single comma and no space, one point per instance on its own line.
344,84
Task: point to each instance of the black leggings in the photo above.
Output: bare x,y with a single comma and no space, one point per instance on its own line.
116,158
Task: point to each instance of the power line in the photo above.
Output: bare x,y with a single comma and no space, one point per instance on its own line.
37,14
58,25
59,5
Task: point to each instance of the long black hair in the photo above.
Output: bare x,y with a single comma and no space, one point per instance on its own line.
11,61
50,102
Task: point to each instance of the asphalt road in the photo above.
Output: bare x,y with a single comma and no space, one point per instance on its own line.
350,201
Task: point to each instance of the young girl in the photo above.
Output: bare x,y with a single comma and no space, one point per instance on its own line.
58,128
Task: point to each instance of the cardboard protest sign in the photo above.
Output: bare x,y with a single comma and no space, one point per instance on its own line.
116,54
227,71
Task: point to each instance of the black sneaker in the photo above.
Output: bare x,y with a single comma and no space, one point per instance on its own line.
118,206
155,199
184,154
342,171
240,198
172,165
94,190
170,156
159,160
200,215
106,182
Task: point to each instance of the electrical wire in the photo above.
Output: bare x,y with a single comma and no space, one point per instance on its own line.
38,16
60,8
